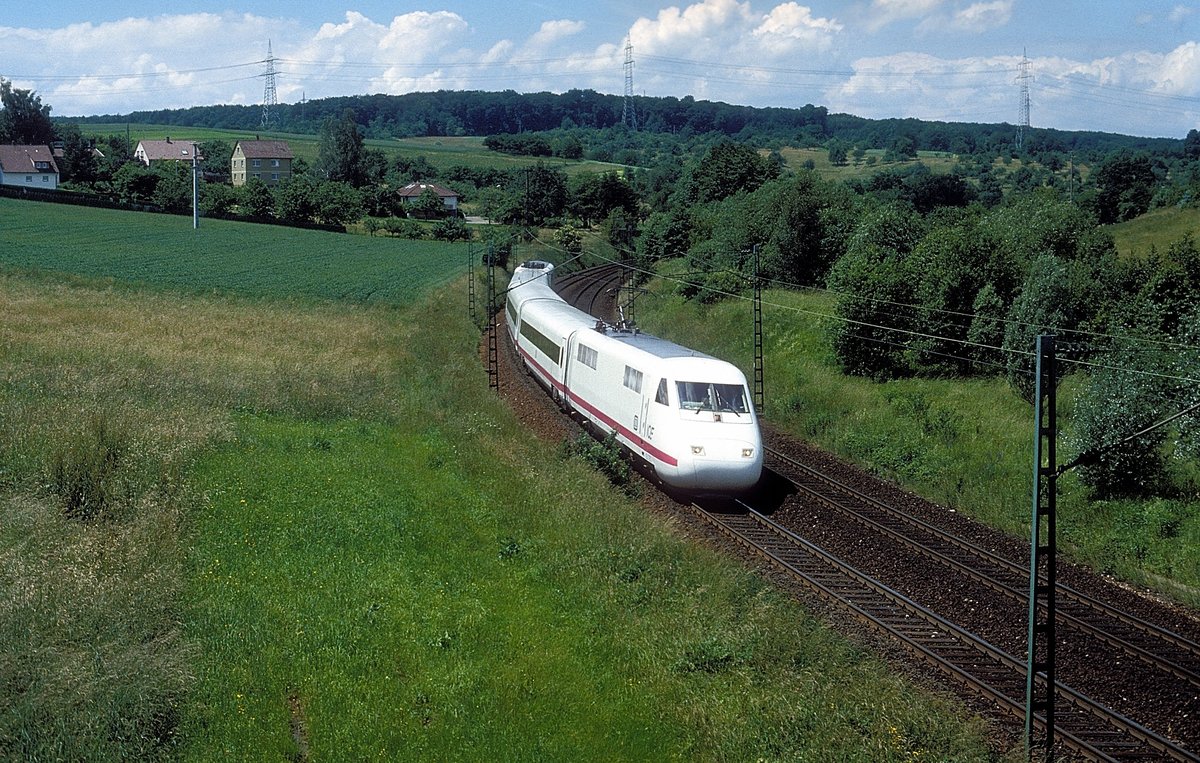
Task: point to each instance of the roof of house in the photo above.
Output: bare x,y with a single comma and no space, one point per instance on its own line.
413,190
25,158
168,149
265,149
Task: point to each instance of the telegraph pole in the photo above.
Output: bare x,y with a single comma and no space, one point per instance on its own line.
1040,644
195,190
759,392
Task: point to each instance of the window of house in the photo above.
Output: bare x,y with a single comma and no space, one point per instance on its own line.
256,162
274,162
587,356
633,379
275,177
29,178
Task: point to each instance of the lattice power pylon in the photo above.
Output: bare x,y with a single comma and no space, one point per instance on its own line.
628,117
1023,77
270,97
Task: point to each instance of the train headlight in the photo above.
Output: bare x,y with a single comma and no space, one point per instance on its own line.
747,452
697,450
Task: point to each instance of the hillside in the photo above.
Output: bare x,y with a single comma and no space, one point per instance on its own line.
453,113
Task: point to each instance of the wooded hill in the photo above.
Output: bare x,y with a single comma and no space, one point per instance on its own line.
456,113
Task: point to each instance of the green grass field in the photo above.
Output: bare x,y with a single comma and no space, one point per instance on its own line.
937,161
253,528
442,152
261,260
1159,229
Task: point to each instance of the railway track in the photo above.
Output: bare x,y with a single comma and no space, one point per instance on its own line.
592,290
1082,725
1156,647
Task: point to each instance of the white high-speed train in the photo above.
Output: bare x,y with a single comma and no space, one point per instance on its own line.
686,414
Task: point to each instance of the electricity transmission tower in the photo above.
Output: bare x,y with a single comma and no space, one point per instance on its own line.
628,117
1023,77
270,97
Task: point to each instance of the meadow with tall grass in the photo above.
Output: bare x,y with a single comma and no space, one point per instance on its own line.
239,526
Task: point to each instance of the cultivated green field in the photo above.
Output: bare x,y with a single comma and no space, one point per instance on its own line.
246,527
442,152
259,260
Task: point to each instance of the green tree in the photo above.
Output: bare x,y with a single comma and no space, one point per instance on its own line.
1124,187
569,238
592,196
23,118
340,150
296,200
428,205
135,183
1045,305
173,192
450,229
839,152
215,157
217,199
78,163
1112,405
728,168
256,200
338,204
875,282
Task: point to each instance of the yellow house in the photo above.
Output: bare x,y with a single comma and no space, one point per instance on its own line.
268,160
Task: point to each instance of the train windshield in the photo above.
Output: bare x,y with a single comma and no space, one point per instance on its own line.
705,396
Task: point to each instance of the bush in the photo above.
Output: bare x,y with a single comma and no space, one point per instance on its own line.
605,455
404,228
1113,405
450,229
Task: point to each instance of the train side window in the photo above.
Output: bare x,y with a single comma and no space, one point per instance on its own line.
587,356
660,397
633,379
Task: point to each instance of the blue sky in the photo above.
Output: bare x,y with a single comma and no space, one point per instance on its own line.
1130,67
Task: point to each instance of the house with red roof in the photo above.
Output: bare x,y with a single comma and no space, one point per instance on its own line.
28,167
411,192
150,151
268,160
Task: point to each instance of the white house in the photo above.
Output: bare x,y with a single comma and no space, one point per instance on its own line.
28,167
150,151
411,192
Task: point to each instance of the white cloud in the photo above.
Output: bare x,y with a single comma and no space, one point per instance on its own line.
885,12
790,27
553,31
981,17
1180,13
974,19
696,29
